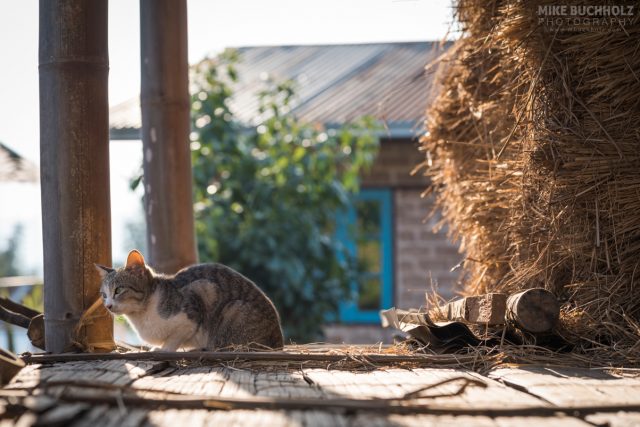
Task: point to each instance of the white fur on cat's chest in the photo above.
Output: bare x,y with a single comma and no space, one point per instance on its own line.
156,330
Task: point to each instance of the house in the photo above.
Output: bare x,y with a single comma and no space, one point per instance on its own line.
337,84
298,385
15,168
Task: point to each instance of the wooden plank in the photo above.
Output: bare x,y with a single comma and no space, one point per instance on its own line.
284,384
473,397
479,421
578,387
239,383
345,384
380,383
74,169
130,417
572,386
166,125
117,372
320,418
17,308
175,417
63,414
382,406
97,416
620,419
243,418
204,380
558,420
282,397
438,421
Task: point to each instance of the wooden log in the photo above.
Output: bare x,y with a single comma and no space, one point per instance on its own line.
488,309
74,168
35,331
166,125
534,310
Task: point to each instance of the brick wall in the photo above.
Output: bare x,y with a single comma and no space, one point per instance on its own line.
421,258
392,168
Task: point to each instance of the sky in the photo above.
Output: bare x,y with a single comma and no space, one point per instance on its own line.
213,25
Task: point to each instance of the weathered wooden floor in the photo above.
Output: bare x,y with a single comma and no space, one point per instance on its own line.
119,392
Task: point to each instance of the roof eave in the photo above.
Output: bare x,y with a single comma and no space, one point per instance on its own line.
393,130
125,134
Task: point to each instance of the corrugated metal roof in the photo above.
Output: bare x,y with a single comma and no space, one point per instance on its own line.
336,84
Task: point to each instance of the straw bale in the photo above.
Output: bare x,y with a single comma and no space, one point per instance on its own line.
533,149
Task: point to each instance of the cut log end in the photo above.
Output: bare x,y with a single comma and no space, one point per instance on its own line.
35,331
534,310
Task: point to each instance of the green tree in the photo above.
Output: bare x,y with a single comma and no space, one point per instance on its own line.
266,198
10,266
9,255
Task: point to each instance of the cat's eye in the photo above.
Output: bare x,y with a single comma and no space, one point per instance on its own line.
118,291
103,295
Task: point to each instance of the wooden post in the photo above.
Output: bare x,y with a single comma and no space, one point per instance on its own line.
74,169
165,134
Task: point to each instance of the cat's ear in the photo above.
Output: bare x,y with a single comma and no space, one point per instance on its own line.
102,270
135,259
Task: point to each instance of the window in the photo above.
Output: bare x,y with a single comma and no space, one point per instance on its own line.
365,230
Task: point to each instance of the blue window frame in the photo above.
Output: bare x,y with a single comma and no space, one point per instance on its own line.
366,232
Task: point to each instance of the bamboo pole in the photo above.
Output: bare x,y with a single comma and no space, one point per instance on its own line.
74,169
165,134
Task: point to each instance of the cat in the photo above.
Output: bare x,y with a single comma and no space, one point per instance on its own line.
201,307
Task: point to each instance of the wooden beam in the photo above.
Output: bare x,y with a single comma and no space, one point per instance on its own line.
485,309
165,134
271,356
74,169
14,318
18,308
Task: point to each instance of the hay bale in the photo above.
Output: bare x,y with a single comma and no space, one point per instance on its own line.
533,148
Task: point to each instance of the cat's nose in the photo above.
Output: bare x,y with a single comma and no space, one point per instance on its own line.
109,306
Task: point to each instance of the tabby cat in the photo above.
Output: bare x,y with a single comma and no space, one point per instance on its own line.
206,306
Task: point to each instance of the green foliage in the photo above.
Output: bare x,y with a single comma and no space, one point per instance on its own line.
10,266
33,298
9,255
266,198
